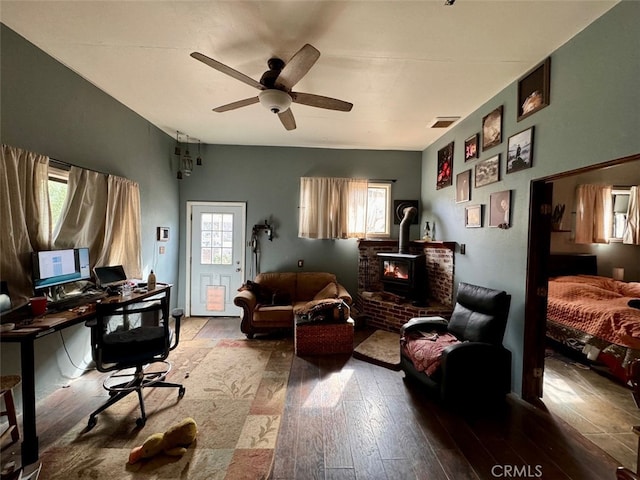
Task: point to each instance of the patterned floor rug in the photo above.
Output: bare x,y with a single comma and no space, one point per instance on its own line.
381,348
235,390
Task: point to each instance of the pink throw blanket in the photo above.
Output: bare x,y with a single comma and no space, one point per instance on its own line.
425,349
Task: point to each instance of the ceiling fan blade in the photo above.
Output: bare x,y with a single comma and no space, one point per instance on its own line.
221,67
238,104
298,66
287,119
321,102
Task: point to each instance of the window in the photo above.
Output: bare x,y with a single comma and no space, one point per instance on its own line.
620,201
57,187
378,209
343,208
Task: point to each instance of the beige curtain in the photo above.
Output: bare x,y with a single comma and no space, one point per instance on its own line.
82,220
594,213
26,218
631,234
102,212
332,207
122,227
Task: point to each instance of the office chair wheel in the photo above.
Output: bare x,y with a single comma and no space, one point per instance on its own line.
92,422
181,391
141,422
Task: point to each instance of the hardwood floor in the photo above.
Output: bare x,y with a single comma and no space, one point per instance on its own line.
348,419
601,409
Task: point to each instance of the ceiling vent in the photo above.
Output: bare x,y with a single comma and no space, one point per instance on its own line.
443,122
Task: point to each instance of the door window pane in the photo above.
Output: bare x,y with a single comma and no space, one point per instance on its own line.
216,246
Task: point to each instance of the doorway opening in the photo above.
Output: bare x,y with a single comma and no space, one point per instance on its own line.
544,240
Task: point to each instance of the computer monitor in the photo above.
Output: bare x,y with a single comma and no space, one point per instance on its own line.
58,267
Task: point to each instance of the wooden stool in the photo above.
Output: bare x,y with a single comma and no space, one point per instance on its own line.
7,382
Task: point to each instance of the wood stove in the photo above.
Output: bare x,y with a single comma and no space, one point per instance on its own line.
405,275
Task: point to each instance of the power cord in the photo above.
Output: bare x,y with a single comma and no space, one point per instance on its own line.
64,345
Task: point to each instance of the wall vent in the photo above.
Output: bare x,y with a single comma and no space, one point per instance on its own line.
443,122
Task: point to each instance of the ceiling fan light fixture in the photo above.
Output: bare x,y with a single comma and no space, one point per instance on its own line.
275,100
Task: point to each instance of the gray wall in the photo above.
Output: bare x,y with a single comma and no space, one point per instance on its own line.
268,180
593,117
46,108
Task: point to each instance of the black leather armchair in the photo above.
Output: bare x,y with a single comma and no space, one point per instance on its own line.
478,369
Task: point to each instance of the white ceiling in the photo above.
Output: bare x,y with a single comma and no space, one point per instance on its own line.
400,63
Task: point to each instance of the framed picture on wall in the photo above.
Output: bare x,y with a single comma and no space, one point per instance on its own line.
463,186
492,129
500,209
520,150
533,90
488,171
473,216
471,147
445,166
162,234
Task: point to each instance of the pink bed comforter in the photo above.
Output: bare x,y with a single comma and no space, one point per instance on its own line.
596,305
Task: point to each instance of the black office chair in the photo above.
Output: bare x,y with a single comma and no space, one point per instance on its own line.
129,340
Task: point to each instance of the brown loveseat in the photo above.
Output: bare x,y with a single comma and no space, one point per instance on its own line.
269,301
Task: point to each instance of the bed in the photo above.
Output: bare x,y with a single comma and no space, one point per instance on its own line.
596,316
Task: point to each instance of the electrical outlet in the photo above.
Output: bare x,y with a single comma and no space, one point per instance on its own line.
300,263
161,251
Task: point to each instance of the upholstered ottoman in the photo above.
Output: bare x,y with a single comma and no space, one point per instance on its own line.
321,338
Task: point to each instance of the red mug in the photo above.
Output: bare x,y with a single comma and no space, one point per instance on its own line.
38,306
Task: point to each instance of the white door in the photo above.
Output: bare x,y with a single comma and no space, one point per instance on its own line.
216,257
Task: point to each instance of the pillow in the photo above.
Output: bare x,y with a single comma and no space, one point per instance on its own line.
263,294
280,298
329,291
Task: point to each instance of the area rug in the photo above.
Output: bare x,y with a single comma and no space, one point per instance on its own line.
235,390
381,348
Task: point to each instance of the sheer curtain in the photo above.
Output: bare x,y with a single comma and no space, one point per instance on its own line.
26,218
594,213
631,234
332,207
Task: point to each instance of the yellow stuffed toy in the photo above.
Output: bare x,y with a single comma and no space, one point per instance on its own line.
172,442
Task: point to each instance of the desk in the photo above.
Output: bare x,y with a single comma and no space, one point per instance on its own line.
26,335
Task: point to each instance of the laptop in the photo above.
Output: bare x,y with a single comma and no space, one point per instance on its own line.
111,276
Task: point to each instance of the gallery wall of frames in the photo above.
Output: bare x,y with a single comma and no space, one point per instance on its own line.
486,158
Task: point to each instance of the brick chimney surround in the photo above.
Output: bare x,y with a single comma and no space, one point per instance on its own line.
389,312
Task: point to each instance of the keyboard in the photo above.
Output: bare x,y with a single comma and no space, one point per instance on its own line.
75,301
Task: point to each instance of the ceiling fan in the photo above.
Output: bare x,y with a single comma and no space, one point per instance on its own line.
276,84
